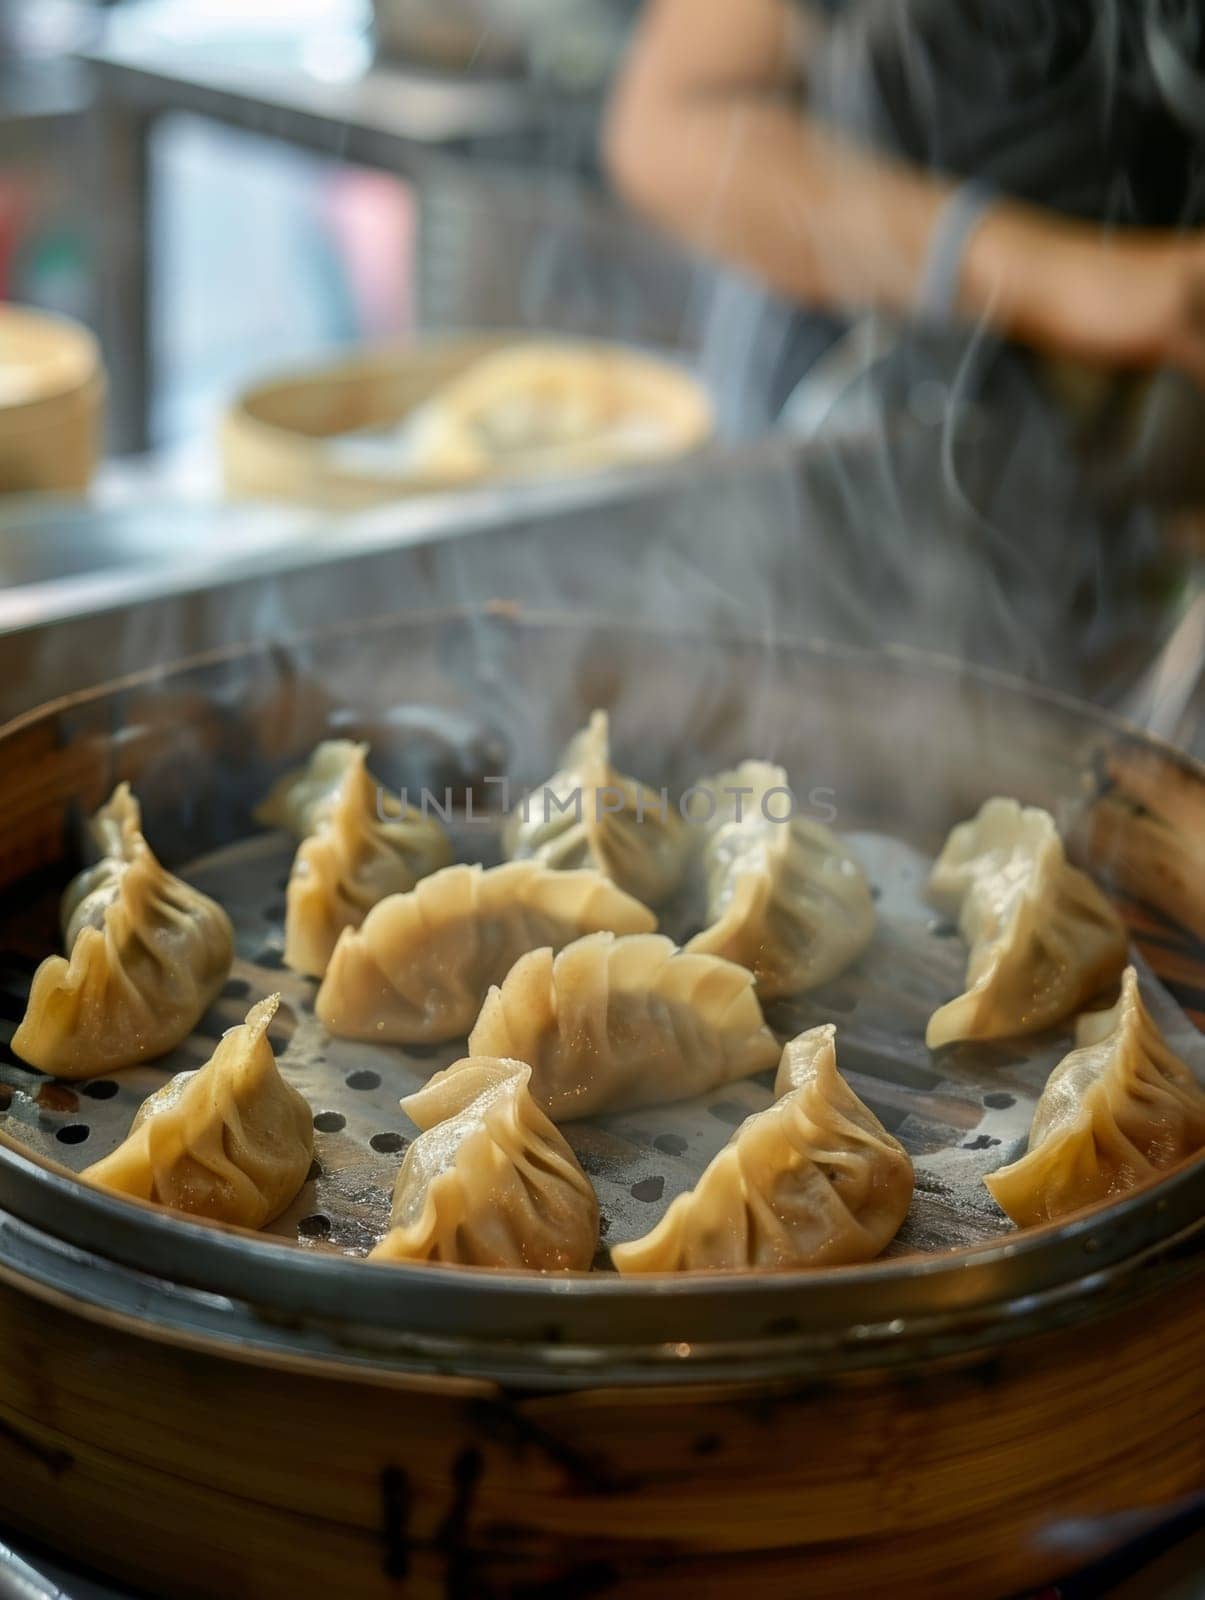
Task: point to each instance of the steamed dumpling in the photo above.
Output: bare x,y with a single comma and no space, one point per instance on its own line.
1043,938
490,1183
418,968
230,1142
813,1181
116,831
146,956
359,847
784,898
1120,1109
589,815
556,406
612,1023
301,799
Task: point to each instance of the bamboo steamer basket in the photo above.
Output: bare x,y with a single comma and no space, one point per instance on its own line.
52,392
275,436
199,1411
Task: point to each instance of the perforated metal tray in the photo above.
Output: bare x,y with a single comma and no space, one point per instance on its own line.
959,1114
906,746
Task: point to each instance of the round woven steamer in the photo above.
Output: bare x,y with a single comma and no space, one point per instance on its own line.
682,1406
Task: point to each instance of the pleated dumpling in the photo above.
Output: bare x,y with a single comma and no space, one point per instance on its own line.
784,897
589,815
612,1023
1120,1109
146,956
230,1142
359,846
116,831
490,1183
418,968
1044,940
815,1180
298,801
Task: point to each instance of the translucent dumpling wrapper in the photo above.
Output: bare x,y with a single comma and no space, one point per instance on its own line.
815,1180
491,1182
589,815
359,846
146,955
230,1142
419,967
784,896
1044,940
612,1023
1117,1111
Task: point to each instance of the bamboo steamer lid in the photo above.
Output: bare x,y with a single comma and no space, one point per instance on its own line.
52,391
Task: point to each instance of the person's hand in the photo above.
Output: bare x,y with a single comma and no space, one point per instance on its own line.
1117,300
1183,265
1139,302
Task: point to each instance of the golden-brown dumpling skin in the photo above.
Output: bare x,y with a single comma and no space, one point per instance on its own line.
230,1142
418,968
146,956
612,1023
491,1182
1120,1109
609,822
359,847
813,1181
784,898
1044,940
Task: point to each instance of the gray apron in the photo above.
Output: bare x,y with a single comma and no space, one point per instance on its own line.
968,496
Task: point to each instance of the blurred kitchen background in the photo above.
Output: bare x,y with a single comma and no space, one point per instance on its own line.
283,177
232,191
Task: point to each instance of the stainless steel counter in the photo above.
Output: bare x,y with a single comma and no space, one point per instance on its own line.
764,541
90,594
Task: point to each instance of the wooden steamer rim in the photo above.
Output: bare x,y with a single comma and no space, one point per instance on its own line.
52,394
58,360
159,1274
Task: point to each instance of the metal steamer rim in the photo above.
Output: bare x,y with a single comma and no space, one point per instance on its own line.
219,1287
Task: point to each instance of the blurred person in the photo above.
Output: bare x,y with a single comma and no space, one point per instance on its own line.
1029,167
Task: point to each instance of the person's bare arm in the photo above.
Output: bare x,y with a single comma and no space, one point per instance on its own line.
706,135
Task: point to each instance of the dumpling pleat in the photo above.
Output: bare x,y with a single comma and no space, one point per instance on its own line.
1116,1111
611,1023
815,1180
420,966
489,1181
1043,938
784,896
147,955
357,846
230,1142
573,822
